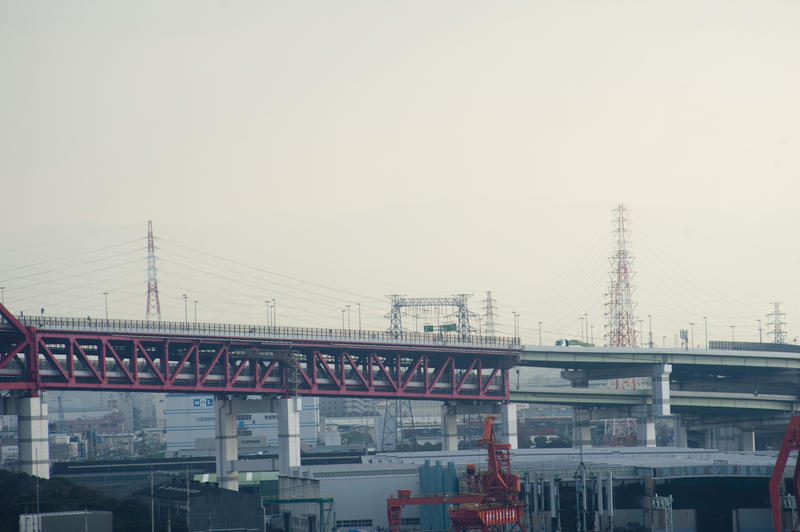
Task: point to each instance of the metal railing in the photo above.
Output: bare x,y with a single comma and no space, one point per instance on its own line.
260,331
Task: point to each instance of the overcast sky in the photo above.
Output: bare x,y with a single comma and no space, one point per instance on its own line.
421,148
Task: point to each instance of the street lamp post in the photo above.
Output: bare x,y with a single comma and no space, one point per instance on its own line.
105,295
348,316
343,311
186,308
516,324
540,333
195,312
274,313
691,325
359,315
582,321
586,319
759,331
732,329
641,333
650,339
591,338
705,324
269,313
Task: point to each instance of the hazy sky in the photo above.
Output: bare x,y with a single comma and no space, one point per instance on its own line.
423,148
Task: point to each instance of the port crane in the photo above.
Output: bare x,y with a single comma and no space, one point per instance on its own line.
492,497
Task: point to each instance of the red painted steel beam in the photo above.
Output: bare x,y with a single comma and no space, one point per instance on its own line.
90,360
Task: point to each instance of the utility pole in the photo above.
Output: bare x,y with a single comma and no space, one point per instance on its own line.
274,313
185,309
650,341
195,312
152,503
269,313
582,321
540,333
348,316
516,324
705,323
732,329
105,295
359,315
343,311
591,338
759,331
691,325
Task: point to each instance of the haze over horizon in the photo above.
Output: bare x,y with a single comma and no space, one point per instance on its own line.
415,148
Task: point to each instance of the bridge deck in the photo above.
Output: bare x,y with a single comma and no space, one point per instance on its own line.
592,357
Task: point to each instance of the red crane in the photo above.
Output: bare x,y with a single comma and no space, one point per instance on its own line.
493,495
791,442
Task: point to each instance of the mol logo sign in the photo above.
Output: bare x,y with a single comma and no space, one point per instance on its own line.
203,403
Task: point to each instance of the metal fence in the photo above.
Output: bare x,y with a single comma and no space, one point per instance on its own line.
57,323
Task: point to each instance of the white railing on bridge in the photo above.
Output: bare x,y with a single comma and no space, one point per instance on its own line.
57,323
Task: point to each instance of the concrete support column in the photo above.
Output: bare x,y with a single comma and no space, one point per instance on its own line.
581,435
227,444
508,431
749,441
449,428
681,436
34,444
289,433
660,386
646,431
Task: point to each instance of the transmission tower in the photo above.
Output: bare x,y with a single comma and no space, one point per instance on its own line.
489,329
621,322
153,304
778,333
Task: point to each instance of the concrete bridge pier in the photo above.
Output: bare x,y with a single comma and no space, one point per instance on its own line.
227,445
646,431
34,438
449,427
289,433
506,411
646,422
748,441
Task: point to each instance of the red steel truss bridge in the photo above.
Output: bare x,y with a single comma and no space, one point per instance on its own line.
39,353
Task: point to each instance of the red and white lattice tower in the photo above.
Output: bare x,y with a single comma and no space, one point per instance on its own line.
153,304
778,333
489,328
621,322
620,432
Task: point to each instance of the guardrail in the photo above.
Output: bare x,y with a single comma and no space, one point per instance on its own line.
260,331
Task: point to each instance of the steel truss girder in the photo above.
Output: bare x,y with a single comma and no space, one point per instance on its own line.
42,360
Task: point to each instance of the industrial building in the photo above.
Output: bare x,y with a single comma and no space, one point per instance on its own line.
191,431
